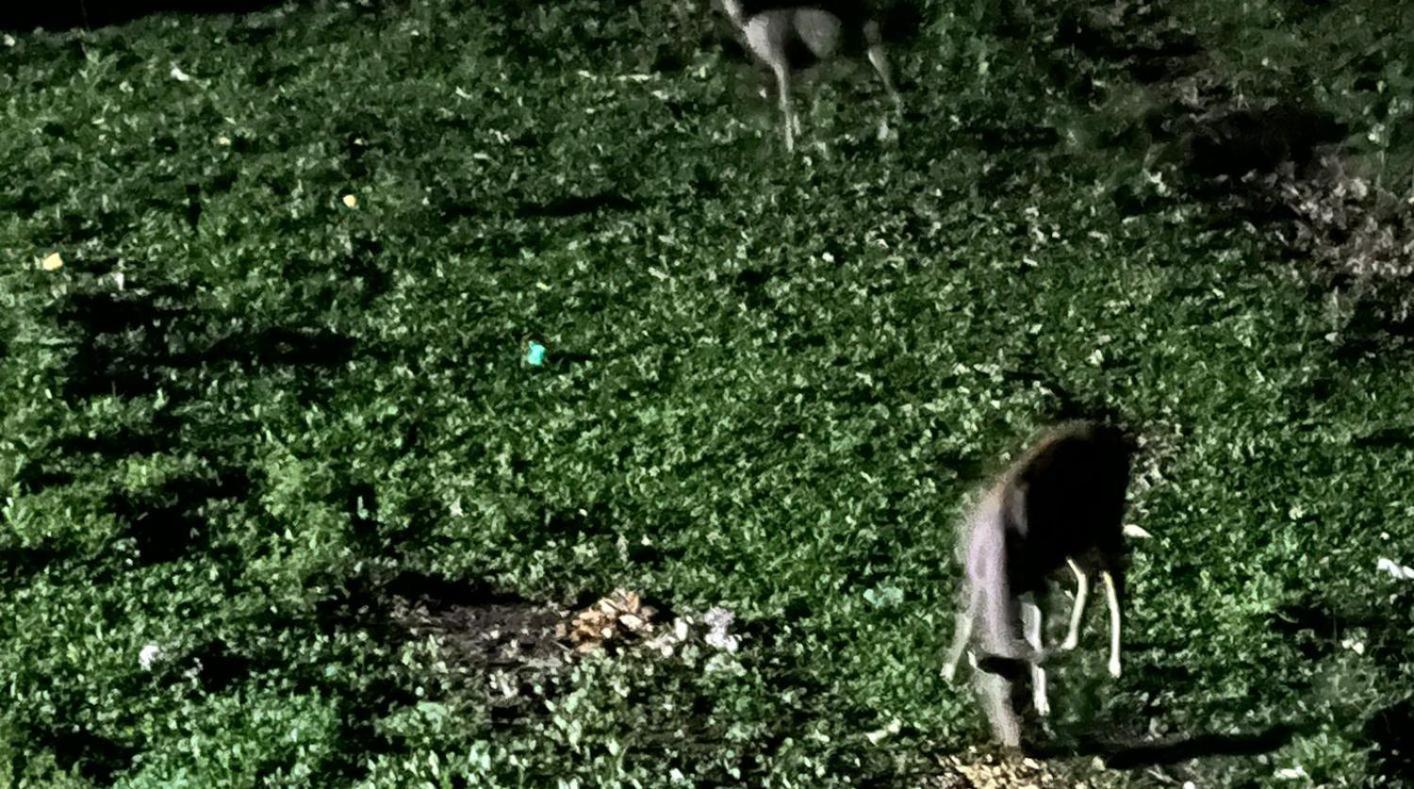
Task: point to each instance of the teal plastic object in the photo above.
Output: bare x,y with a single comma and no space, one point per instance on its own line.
535,355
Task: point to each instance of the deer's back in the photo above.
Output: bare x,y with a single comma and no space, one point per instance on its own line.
805,32
851,12
1071,491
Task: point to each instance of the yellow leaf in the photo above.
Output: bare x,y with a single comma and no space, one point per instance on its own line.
351,201
52,263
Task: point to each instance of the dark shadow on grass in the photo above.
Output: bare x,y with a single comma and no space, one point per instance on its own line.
1386,439
750,285
276,345
167,524
98,759
220,666
158,435
361,505
128,343
1098,34
358,737
1372,335
104,311
19,564
364,264
1317,626
1314,628
1237,141
36,475
1388,730
568,206
120,334
60,461
1129,756
994,139
366,599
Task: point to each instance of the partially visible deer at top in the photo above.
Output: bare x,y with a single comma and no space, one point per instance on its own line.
786,36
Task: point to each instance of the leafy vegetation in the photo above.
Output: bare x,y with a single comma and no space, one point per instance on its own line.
278,384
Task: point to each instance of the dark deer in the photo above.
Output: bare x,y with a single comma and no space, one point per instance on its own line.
1060,504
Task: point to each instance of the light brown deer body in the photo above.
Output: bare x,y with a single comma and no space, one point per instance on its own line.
1060,504
770,34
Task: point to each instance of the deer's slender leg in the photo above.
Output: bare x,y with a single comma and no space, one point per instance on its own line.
1082,590
782,71
1032,623
1112,599
995,691
880,61
961,636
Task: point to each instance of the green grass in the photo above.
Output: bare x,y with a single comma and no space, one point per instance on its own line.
769,386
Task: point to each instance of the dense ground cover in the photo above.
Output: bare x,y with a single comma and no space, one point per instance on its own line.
248,415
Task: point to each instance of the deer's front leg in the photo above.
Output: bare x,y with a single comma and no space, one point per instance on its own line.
1033,625
879,59
1112,599
995,691
783,88
961,636
1082,590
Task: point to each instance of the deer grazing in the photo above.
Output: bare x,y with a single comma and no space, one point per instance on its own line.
1060,504
785,36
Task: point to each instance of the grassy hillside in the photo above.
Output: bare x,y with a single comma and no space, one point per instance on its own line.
272,414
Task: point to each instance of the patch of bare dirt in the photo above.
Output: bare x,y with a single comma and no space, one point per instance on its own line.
1360,231
512,650
977,769
488,635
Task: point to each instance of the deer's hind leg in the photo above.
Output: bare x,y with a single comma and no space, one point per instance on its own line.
1112,600
995,691
879,59
766,37
962,634
1033,625
788,120
1082,590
